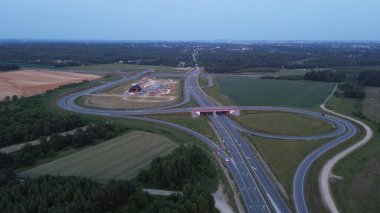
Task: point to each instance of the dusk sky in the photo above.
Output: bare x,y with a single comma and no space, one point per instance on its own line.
190,20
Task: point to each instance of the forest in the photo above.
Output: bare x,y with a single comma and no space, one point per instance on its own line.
228,58
327,76
61,194
28,118
62,54
370,78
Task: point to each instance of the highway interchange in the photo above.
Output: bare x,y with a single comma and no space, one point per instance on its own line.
257,188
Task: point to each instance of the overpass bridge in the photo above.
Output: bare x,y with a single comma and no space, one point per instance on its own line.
214,110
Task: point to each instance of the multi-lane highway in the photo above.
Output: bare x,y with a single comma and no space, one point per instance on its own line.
257,189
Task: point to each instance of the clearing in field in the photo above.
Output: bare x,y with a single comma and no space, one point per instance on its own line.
283,123
267,92
32,82
371,103
120,158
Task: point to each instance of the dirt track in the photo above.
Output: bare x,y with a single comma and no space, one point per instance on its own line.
31,82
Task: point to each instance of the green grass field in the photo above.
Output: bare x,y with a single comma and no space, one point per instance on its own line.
283,123
119,158
264,92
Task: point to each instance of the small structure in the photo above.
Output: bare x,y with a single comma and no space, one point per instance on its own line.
135,88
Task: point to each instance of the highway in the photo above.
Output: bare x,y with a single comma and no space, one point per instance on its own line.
257,189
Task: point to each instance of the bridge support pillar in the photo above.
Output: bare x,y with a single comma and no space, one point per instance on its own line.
235,112
195,114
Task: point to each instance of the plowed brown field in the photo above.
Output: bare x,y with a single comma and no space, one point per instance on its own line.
31,82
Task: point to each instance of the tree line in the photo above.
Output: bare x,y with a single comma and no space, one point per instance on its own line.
61,194
352,90
327,76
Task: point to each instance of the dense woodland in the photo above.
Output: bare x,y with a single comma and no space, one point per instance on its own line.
74,194
74,54
234,57
327,76
216,57
28,118
370,78
352,90
61,194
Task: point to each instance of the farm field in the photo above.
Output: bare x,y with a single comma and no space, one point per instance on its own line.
120,158
267,92
283,123
32,82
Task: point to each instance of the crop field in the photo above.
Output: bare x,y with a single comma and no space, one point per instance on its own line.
32,82
267,92
283,123
120,158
